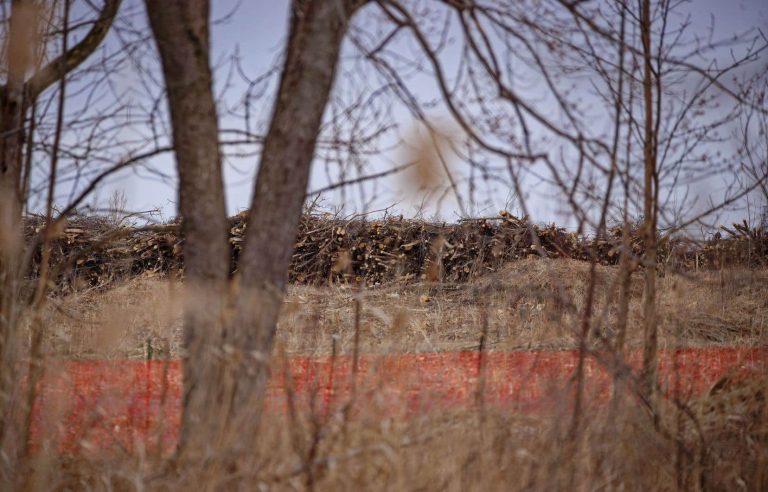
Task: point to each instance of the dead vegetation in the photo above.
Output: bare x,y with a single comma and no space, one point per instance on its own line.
718,441
94,251
529,304
401,286
714,441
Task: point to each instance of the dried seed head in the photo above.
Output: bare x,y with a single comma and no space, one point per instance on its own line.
430,151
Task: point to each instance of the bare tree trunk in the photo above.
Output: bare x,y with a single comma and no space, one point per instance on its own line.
317,30
222,416
627,264
19,50
180,28
22,44
625,287
649,208
19,56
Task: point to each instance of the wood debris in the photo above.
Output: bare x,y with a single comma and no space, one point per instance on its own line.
332,249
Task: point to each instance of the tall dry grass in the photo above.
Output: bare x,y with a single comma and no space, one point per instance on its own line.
532,304
715,441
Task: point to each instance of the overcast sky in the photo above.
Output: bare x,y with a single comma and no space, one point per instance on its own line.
256,29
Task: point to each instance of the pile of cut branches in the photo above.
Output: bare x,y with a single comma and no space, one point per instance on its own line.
96,251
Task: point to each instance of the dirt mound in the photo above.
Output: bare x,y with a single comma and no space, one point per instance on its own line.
333,249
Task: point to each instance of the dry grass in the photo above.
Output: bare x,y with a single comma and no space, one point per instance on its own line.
717,441
531,304
720,444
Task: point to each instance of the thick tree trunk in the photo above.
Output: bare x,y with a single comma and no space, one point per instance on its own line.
180,28
317,30
649,209
224,373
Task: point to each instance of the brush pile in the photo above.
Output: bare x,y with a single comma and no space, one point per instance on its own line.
329,249
97,251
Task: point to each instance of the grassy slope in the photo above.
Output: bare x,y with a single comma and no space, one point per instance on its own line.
531,304
719,441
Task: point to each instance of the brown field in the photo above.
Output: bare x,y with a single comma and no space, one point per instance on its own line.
531,304
716,441
393,306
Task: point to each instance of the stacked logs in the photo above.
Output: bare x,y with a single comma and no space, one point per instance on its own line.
356,249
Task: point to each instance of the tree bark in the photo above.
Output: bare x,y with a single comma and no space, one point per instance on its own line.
19,49
181,31
19,90
649,208
19,54
625,287
314,45
225,373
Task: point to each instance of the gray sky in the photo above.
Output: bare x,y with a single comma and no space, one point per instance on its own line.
257,31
